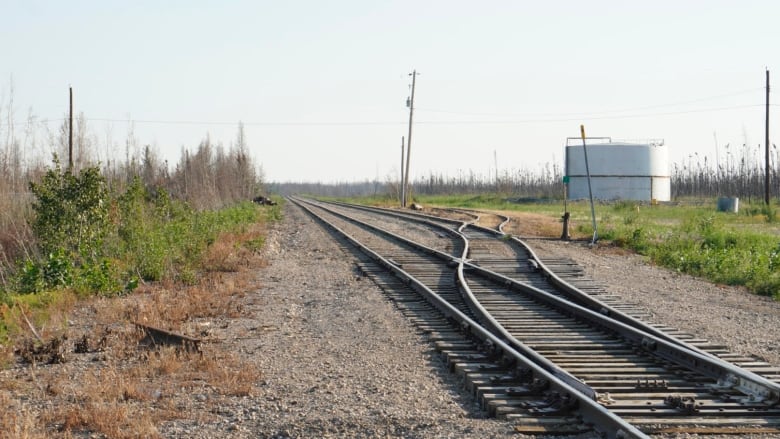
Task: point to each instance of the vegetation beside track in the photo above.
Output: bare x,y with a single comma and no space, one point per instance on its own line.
688,236
93,241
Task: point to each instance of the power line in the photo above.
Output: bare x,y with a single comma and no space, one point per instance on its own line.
585,117
222,123
624,110
575,117
288,123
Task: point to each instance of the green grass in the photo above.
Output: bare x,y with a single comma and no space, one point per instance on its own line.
732,249
169,247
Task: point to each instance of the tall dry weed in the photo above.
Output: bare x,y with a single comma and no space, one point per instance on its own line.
227,373
17,422
233,250
16,237
114,420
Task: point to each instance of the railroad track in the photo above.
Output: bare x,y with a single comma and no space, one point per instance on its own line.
551,352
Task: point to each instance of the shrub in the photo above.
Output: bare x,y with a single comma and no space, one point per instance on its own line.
71,212
95,241
54,272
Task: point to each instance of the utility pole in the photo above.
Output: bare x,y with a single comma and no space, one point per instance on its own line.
403,189
70,133
766,144
410,104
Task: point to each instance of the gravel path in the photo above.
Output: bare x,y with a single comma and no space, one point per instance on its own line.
341,361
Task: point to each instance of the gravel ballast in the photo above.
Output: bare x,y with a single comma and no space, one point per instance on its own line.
746,323
340,360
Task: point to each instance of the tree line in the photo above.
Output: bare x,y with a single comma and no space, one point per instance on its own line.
207,176
740,173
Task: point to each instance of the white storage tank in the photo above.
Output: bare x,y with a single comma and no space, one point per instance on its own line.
619,171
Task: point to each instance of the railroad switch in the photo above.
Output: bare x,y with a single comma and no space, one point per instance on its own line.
565,234
521,374
754,393
685,404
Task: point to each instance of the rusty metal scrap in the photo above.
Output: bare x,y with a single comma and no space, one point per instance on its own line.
158,336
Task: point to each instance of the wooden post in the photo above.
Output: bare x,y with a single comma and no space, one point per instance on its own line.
590,190
403,188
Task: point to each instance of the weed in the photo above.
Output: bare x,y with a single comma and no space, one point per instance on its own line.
770,213
228,374
625,205
16,421
55,271
255,244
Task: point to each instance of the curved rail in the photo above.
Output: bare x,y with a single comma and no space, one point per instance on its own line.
727,375
607,422
761,393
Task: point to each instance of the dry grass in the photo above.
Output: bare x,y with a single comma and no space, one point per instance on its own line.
118,388
227,372
489,220
233,250
17,422
16,237
29,317
6,357
21,426
171,309
535,225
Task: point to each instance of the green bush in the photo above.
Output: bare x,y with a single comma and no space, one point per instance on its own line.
101,277
99,242
56,271
71,212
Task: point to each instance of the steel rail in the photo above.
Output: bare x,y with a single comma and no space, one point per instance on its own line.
479,213
756,387
414,216
573,293
727,375
609,424
588,301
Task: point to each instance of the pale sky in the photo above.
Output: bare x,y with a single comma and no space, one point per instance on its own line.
321,86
